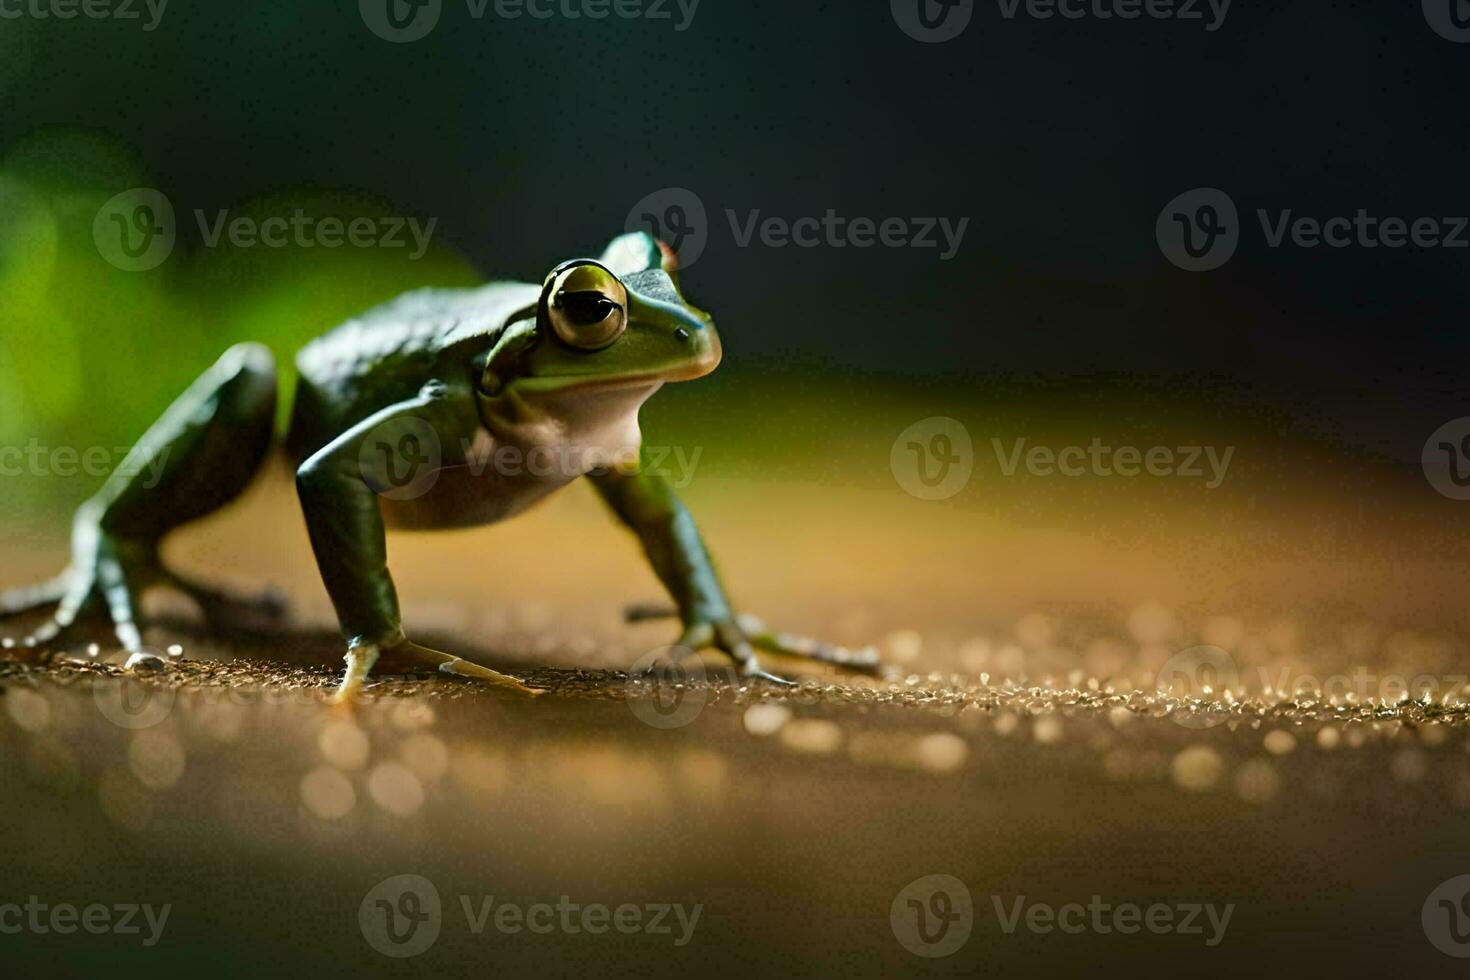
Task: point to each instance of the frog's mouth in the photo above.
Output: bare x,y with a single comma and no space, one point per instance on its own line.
688,370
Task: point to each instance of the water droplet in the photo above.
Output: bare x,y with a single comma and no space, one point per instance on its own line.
144,662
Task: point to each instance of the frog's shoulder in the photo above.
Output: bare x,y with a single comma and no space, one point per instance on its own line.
417,325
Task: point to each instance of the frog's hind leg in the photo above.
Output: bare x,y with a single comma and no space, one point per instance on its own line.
199,456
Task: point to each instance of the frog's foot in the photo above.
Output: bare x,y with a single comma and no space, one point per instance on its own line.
727,636
108,583
222,608
864,661
758,636
407,657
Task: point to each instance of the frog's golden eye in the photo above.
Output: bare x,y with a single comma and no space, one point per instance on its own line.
587,306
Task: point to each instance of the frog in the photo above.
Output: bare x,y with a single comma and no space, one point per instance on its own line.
427,412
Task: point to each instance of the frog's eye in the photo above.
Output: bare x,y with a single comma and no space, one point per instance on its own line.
587,306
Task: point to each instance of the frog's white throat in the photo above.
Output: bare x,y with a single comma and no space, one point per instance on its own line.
593,424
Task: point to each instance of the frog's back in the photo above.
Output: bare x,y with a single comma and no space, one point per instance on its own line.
385,355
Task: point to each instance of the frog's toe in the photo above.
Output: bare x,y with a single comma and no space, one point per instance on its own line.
459,667
753,671
408,657
792,645
78,595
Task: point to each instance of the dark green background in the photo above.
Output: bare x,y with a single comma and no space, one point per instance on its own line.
530,140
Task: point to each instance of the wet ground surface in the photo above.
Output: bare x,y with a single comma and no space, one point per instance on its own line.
1018,743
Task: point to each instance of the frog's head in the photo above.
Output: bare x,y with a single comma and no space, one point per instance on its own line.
595,330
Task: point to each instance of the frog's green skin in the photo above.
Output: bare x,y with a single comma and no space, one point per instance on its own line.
477,372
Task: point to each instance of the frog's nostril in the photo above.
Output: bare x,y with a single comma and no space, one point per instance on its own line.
682,334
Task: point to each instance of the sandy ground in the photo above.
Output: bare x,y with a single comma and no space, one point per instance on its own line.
1018,743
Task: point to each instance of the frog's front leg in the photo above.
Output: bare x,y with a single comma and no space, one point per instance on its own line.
339,488
649,506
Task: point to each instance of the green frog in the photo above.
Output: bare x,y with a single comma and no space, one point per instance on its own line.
444,408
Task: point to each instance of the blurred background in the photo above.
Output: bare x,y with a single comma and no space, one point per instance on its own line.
529,141
1324,548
